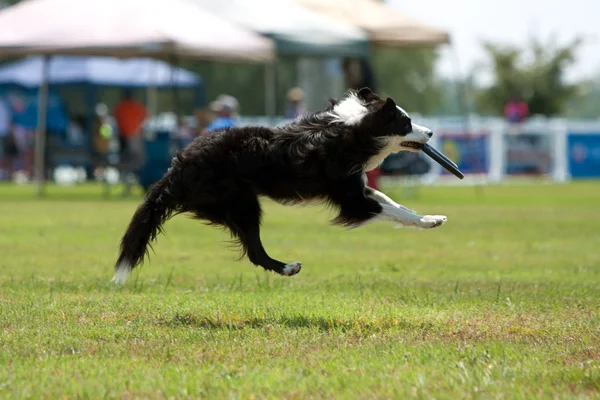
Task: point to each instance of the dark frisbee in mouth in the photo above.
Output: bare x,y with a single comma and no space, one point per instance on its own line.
437,156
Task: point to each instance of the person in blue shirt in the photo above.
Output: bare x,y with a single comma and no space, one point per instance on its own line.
225,107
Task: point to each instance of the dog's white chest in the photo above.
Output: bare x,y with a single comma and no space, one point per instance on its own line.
377,160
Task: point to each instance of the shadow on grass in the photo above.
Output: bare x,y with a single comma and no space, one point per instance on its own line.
322,323
513,329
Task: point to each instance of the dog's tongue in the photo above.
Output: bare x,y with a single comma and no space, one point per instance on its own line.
441,159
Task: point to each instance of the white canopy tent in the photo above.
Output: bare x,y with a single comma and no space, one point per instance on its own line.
127,28
385,25
296,29
311,36
123,28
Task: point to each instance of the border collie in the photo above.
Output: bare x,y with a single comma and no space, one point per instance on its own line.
320,157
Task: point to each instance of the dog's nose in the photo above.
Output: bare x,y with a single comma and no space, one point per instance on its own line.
429,133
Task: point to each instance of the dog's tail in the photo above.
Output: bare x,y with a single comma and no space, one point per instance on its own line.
158,206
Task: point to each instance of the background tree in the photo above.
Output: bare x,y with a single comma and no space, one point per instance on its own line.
405,74
587,103
408,76
535,73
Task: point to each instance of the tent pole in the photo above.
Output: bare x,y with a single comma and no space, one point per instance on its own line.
151,93
175,91
40,137
176,98
270,90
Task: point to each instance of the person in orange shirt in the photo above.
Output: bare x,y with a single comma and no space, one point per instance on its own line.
129,117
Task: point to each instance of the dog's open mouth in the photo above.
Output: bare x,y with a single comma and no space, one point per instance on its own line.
412,145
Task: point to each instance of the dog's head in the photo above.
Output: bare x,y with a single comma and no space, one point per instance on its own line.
382,119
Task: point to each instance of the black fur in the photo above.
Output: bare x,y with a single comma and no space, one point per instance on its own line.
220,177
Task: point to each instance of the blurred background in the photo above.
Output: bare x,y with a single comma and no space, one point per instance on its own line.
110,90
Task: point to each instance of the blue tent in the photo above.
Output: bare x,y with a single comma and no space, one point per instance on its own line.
22,80
99,71
91,72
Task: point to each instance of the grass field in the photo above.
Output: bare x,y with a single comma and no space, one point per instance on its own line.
501,302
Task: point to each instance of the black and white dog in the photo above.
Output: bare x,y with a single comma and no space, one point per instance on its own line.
320,157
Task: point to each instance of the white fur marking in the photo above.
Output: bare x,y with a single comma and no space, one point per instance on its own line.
404,217
349,111
396,214
402,110
123,271
432,221
383,198
421,130
392,145
292,268
410,218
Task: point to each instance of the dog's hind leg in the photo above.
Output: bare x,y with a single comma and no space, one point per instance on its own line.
243,219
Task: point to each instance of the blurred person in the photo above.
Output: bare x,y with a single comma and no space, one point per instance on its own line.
203,117
22,136
225,107
8,146
103,134
185,132
24,140
358,74
351,72
129,116
516,109
295,106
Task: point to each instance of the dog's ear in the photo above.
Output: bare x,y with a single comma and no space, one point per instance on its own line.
367,95
364,93
389,109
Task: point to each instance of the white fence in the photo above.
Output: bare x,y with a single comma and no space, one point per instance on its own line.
490,150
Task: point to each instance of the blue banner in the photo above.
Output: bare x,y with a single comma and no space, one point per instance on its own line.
584,155
469,152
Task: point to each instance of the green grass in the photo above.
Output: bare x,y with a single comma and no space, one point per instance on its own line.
501,302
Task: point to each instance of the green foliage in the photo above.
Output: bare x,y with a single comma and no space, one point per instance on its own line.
246,82
536,74
587,104
408,76
456,97
501,302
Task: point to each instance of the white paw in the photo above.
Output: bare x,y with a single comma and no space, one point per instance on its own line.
292,268
431,221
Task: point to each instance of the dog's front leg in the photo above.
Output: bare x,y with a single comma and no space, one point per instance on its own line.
409,218
381,197
367,205
395,212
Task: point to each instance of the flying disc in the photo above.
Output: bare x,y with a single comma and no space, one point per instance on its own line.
441,159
